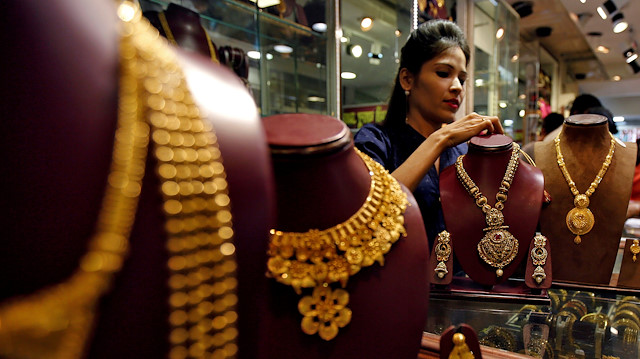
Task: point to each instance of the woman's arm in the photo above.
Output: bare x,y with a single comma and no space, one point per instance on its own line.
411,172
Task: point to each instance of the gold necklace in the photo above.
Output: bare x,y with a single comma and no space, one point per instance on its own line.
154,105
498,247
580,220
318,258
169,33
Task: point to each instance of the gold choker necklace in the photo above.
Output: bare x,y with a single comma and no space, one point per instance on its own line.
155,105
318,258
580,220
498,247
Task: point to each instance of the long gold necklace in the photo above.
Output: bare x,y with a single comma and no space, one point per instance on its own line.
172,39
318,258
580,220
155,105
498,247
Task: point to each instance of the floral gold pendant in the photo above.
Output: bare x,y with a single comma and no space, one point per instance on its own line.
498,247
580,220
325,311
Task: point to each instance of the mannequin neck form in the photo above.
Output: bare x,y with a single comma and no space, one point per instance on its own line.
319,191
594,134
488,152
186,29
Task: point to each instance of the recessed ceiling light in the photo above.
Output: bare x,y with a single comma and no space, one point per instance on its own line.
602,49
316,99
616,78
348,75
354,50
619,23
366,24
253,54
283,49
269,56
601,12
499,33
618,118
319,27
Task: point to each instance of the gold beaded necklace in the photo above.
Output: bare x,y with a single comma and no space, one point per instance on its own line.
167,31
580,220
154,105
498,247
318,258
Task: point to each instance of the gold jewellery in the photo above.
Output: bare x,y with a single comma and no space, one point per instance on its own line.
580,220
318,258
167,31
460,348
443,252
154,105
498,247
635,249
539,257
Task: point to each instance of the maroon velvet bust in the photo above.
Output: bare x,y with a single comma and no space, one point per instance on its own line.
486,163
320,182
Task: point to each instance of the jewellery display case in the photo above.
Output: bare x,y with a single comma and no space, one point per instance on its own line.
288,69
567,321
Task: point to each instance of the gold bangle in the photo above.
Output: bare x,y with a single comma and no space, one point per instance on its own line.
584,296
621,314
596,318
575,305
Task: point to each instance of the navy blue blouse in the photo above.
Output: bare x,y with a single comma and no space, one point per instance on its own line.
391,146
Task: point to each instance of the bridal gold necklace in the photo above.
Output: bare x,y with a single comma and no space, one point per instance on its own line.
498,247
318,258
580,220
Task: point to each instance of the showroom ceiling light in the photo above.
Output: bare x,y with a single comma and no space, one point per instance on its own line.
348,75
283,49
619,23
601,12
354,50
630,55
366,23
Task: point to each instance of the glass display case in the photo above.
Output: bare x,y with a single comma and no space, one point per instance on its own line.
496,46
566,321
288,69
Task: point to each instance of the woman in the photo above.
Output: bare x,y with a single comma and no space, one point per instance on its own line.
412,142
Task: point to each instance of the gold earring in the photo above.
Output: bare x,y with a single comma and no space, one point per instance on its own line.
539,257
407,93
443,251
635,249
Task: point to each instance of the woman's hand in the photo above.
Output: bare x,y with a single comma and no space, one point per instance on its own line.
471,125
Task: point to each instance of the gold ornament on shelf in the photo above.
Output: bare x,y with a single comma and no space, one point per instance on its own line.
635,249
580,220
443,251
539,257
460,348
498,247
318,258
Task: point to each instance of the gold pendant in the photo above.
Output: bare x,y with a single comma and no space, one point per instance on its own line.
443,251
325,312
498,247
635,249
580,220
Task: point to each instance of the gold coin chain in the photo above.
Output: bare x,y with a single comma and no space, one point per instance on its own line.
56,322
498,247
318,258
580,219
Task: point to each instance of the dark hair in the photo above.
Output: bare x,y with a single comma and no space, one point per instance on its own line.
599,110
583,102
551,122
429,40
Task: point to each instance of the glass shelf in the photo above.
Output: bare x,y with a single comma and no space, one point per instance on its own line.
288,69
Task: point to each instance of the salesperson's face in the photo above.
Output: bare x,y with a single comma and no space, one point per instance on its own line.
438,89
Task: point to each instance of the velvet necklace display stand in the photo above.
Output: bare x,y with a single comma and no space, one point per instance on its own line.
585,141
185,27
486,163
320,182
61,102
